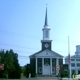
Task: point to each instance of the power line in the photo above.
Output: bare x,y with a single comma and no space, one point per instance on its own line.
17,46
19,34
23,56
17,51
25,52
16,33
27,57
25,35
22,47
33,52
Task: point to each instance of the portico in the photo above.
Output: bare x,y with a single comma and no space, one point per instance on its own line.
47,68
46,62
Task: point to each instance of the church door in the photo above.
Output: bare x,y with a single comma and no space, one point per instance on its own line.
46,70
46,67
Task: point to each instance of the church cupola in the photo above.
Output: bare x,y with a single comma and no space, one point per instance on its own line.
46,29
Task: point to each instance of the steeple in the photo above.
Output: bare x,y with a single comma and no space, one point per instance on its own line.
46,29
46,21
46,42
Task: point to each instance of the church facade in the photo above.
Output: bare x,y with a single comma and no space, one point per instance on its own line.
46,62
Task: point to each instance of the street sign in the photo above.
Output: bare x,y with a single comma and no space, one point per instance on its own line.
1,66
57,67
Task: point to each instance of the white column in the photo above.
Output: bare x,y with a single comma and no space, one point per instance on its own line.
36,65
57,64
42,66
51,65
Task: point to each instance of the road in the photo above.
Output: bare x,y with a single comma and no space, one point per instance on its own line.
44,78
39,79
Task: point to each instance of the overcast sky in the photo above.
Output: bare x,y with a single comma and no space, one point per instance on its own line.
21,23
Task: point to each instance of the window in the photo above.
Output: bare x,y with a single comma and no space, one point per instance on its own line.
78,71
46,34
78,64
73,71
47,61
40,69
73,64
53,60
53,69
77,59
72,59
40,60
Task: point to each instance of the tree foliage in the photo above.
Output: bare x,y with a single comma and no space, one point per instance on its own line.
65,73
26,70
23,71
11,66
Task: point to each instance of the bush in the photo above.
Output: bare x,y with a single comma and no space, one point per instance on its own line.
33,75
64,74
61,75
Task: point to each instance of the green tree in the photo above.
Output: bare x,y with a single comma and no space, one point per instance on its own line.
65,73
11,65
23,71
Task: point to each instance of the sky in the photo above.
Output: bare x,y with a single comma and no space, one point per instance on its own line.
21,23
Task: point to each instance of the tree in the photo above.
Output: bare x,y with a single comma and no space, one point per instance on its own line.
65,73
11,65
23,71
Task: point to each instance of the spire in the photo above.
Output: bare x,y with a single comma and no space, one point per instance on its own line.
46,22
46,29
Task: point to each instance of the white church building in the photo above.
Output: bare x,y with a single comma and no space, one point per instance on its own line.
46,61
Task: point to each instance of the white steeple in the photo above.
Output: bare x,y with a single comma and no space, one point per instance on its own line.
46,29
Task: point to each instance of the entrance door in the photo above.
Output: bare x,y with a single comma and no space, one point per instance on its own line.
46,65
46,70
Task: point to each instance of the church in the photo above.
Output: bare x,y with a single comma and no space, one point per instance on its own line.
46,62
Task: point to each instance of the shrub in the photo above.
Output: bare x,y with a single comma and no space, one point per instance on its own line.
33,75
65,74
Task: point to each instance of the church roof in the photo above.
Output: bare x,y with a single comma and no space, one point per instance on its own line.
33,55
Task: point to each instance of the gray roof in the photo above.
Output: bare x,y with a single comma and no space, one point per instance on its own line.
33,55
74,56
